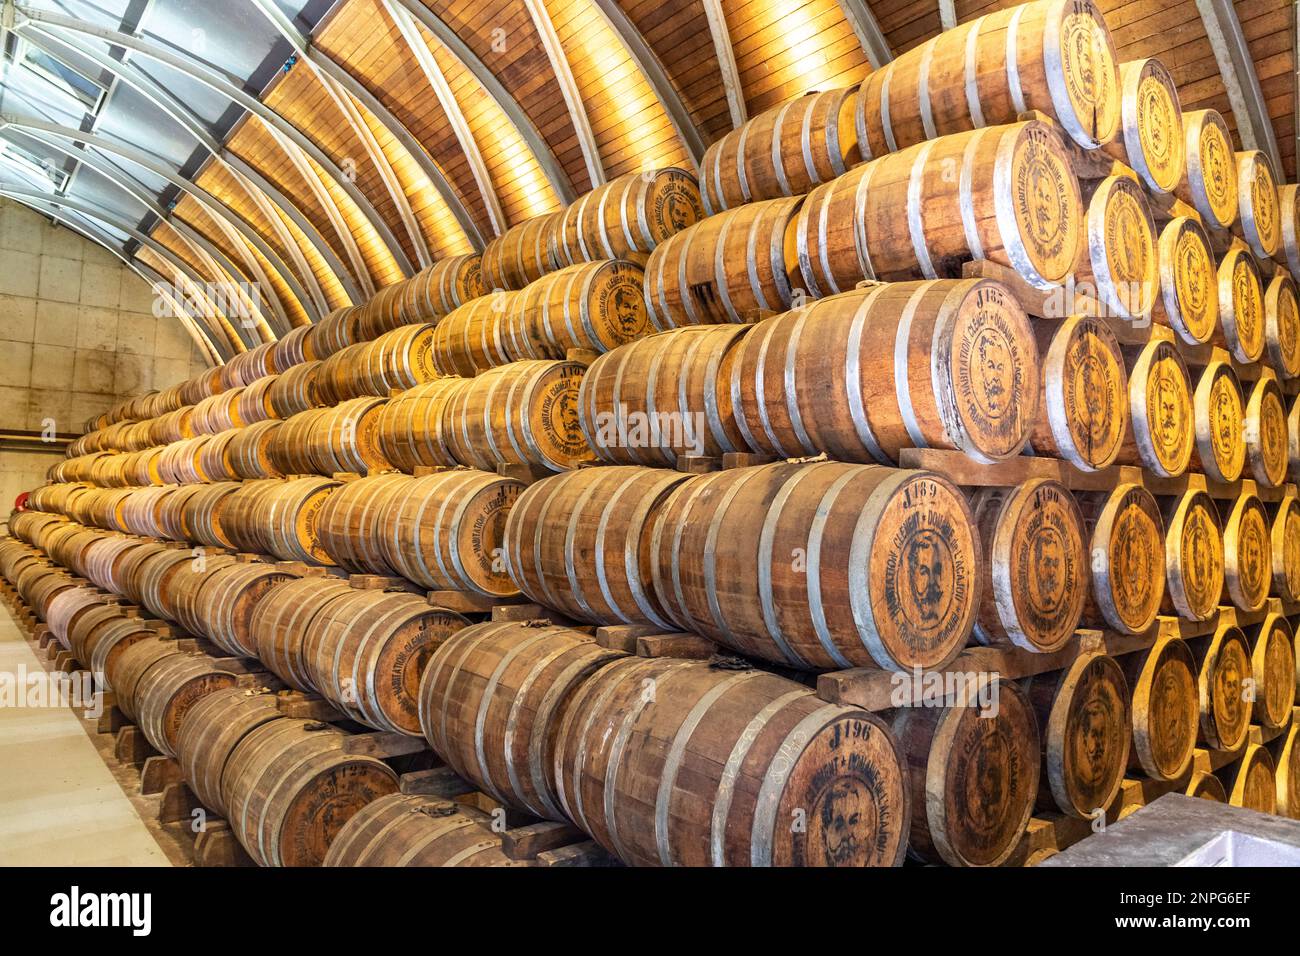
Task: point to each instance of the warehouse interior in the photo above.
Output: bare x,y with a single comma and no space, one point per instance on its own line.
613,433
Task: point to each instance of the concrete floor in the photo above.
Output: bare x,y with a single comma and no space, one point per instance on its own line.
59,804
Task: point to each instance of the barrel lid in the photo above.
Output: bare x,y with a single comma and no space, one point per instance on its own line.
1259,214
1210,156
1254,786
1160,396
1282,324
1241,305
1082,72
1036,198
1219,412
1194,555
1087,736
1152,124
1273,667
1225,713
1122,248
1128,558
1188,280
1165,710
1086,398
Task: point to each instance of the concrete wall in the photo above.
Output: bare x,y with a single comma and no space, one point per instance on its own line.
77,329
22,471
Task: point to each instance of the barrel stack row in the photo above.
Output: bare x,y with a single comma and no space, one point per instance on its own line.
1114,289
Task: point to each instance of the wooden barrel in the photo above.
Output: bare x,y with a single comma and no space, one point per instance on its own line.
250,451
596,306
281,621
1288,246
1287,763
1189,288
291,785
447,531
1122,266
1247,554
230,598
1259,213
1161,432
522,413
1034,577
821,565
1284,549
442,287
335,332
522,254
1241,306
947,363
974,772
340,376
295,390
1254,780
853,227
1151,140
736,266
1164,708
1223,663
630,215
1282,325
1206,786
1219,414
366,651
1209,180
491,703
64,609
109,643
214,458
89,629
345,438
411,431
1194,559
349,526
127,669
416,830
204,514
1086,732
1265,432
666,395
169,689
472,338
288,350
131,576
160,577
580,542
211,729
288,516
1051,56
783,151
1083,410
1273,670
382,312
289,449
255,402
400,359
711,771
1127,547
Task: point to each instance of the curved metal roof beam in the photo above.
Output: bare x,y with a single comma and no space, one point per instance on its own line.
95,211
42,204
162,98
210,203
867,27
225,85
569,88
713,12
414,40
523,125
137,191
656,75
351,84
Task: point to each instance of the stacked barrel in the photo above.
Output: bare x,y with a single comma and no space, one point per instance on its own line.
984,370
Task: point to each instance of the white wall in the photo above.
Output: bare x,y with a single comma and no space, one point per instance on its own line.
77,329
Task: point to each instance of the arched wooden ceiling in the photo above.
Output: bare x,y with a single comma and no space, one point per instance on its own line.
316,150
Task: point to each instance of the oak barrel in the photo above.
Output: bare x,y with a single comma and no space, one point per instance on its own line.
1209,181
1165,710
1219,414
1264,430
1189,288
629,216
1273,670
1254,780
211,729
169,689
1151,140
1161,432
1241,306
472,338
596,306
1083,409
581,542
946,363
291,785
1194,559
412,427
1259,216
349,526
1034,577
1127,548
1247,554
711,769
854,565
442,287
1282,325
1122,266
281,621
1284,549
1223,662
419,831
229,600
492,700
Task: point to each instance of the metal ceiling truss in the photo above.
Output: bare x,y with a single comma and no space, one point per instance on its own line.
183,116
225,85
867,27
717,20
206,200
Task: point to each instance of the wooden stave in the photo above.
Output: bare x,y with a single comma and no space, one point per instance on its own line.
876,496
608,527
278,638
750,715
